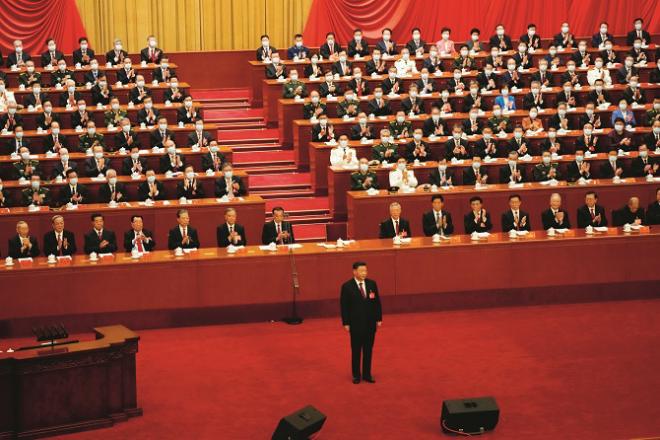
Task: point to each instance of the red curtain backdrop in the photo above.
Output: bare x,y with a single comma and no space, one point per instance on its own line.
584,16
35,20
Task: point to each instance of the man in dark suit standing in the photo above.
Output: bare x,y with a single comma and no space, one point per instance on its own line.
591,213
277,231
515,218
231,232
361,314
182,236
59,242
437,221
99,239
138,238
395,225
23,245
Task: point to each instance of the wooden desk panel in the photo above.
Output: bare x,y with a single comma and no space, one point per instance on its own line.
211,286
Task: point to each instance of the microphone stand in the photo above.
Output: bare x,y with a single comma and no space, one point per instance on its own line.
294,319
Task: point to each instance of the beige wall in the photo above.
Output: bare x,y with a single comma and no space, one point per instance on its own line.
192,25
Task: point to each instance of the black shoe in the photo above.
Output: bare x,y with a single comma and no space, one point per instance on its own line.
356,380
369,379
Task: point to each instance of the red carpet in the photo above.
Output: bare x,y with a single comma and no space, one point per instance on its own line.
577,371
220,93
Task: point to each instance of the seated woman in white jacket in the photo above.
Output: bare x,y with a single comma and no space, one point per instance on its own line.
401,177
343,155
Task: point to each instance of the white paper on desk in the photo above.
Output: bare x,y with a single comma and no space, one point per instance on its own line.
490,159
25,260
600,228
561,230
97,179
516,185
526,158
223,199
522,232
266,248
406,240
294,246
387,165
483,234
372,192
189,250
64,257
327,245
103,255
367,141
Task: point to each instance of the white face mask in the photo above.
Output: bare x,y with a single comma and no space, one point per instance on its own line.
140,83
188,104
363,121
112,181
148,105
190,175
618,127
294,77
564,29
378,95
115,107
579,158
476,165
343,143
171,150
73,181
135,156
603,30
442,167
35,184
126,128
163,127
91,131
517,135
65,158
401,166
417,136
94,66
25,156
364,167
546,160
315,99
98,154
152,43
199,127
151,179
400,119
587,132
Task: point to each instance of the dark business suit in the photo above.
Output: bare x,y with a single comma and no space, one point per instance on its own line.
431,227
584,217
508,221
15,248
624,216
92,242
222,235
221,187
386,228
550,221
653,214
68,244
269,233
174,238
147,246
362,315
483,225
143,191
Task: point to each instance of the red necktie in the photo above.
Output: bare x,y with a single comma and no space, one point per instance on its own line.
396,227
100,234
279,230
362,291
140,248
59,244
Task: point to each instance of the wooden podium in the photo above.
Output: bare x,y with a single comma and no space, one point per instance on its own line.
70,387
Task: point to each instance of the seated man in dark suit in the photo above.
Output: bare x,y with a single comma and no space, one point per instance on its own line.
456,146
100,240
52,55
190,187
394,225
163,72
442,175
73,192
140,92
379,106
59,241
151,54
474,174
182,236
128,75
500,40
134,164
477,220
643,165
151,188
265,52
612,167
229,185
331,48
437,220
84,54
358,45
188,114
591,214
101,92
22,245
653,211
555,217
631,214
174,93
117,54
173,161
150,116
514,218
277,230
276,68
213,159
230,232
161,135
97,164
126,138
511,172
578,168
112,191
137,238
200,137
